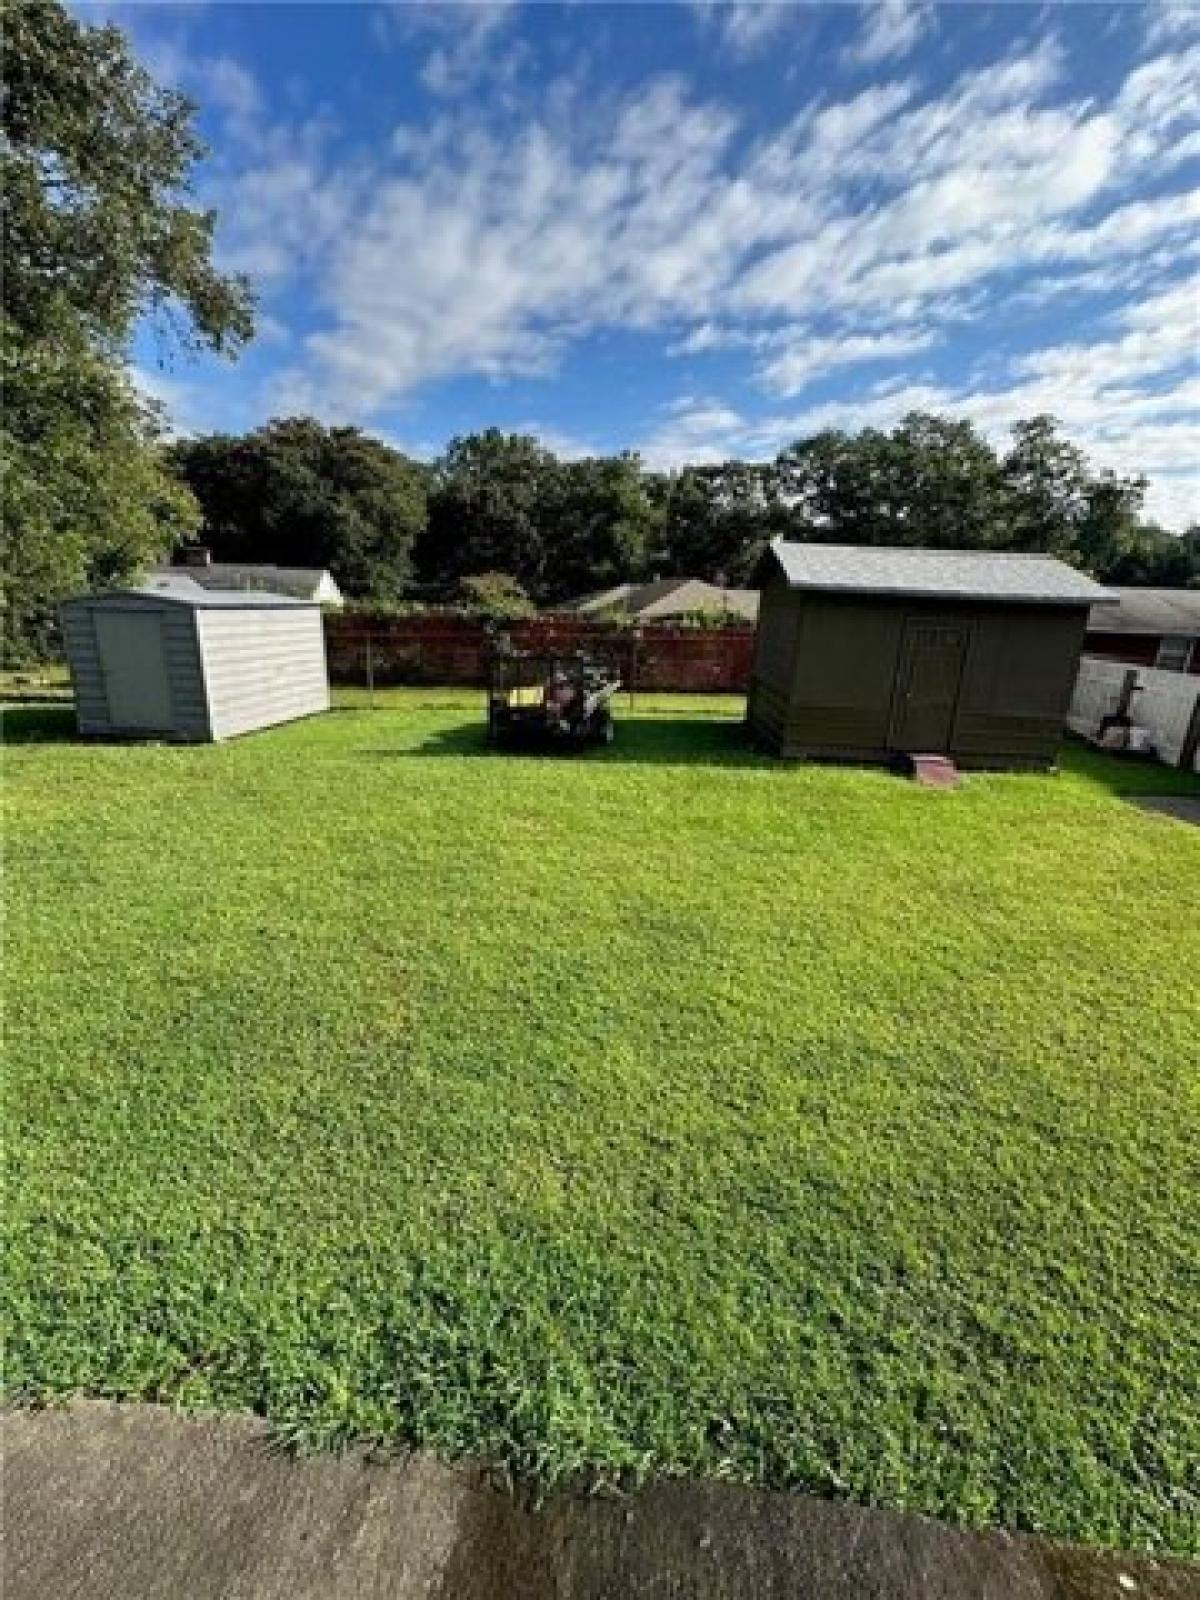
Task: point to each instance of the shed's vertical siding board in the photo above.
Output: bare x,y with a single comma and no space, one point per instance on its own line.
842,678
1017,684
776,642
837,702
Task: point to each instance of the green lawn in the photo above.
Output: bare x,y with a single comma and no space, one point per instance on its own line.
663,1110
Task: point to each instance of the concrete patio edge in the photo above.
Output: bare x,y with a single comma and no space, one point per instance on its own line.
116,1502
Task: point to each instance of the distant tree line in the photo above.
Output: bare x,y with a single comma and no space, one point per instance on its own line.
499,517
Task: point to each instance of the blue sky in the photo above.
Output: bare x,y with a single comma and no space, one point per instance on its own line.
701,230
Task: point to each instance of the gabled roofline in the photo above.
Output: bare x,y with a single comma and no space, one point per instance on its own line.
1089,593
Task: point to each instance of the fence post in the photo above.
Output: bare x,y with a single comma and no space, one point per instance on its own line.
1128,685
370,676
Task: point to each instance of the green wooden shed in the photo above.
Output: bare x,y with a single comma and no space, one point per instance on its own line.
866,653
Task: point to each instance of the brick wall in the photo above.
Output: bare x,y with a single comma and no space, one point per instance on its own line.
437,649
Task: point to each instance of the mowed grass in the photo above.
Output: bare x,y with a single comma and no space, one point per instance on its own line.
664,1110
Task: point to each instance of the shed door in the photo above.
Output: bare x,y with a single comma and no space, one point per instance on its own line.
931,663
134,664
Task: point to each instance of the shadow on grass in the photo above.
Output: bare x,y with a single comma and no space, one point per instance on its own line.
666,741
1126,775
39,724
693,740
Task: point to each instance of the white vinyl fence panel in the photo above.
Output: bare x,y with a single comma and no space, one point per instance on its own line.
1166,704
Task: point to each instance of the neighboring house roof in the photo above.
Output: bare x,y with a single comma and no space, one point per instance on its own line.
1175,612
607,600
185,591
936,574
304,583
671,597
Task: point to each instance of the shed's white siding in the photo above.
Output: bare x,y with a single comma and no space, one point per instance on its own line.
181,654
232,664
262,667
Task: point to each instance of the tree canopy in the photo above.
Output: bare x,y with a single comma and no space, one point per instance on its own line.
503,502
97,162
501,515
300,494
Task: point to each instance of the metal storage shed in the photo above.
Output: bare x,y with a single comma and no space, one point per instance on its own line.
866,652
172,660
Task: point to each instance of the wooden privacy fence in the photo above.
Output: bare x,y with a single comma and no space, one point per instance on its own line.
1167,703
453,650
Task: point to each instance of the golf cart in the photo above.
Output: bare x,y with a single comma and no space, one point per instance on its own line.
544,699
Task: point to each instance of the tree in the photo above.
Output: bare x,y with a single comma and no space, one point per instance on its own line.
936,482
1056,502
1151,556
96,168
504,503
718,519
86,499
484,510
931,481
1046,480
597,524
299,494
494,595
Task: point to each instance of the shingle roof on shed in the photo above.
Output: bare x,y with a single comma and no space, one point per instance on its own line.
1152,611
936,574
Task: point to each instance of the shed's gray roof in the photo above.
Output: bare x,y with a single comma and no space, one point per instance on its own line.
936,574
1152,611
180,591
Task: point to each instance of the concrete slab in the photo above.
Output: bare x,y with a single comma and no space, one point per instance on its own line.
1184,808
107,1502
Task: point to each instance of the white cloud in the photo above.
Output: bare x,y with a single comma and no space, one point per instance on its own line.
1168,20
746,27
230,87
567,446
282,214
803,362
464,40
708,336
890,30
859,229
695,431
187,404
1131,397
